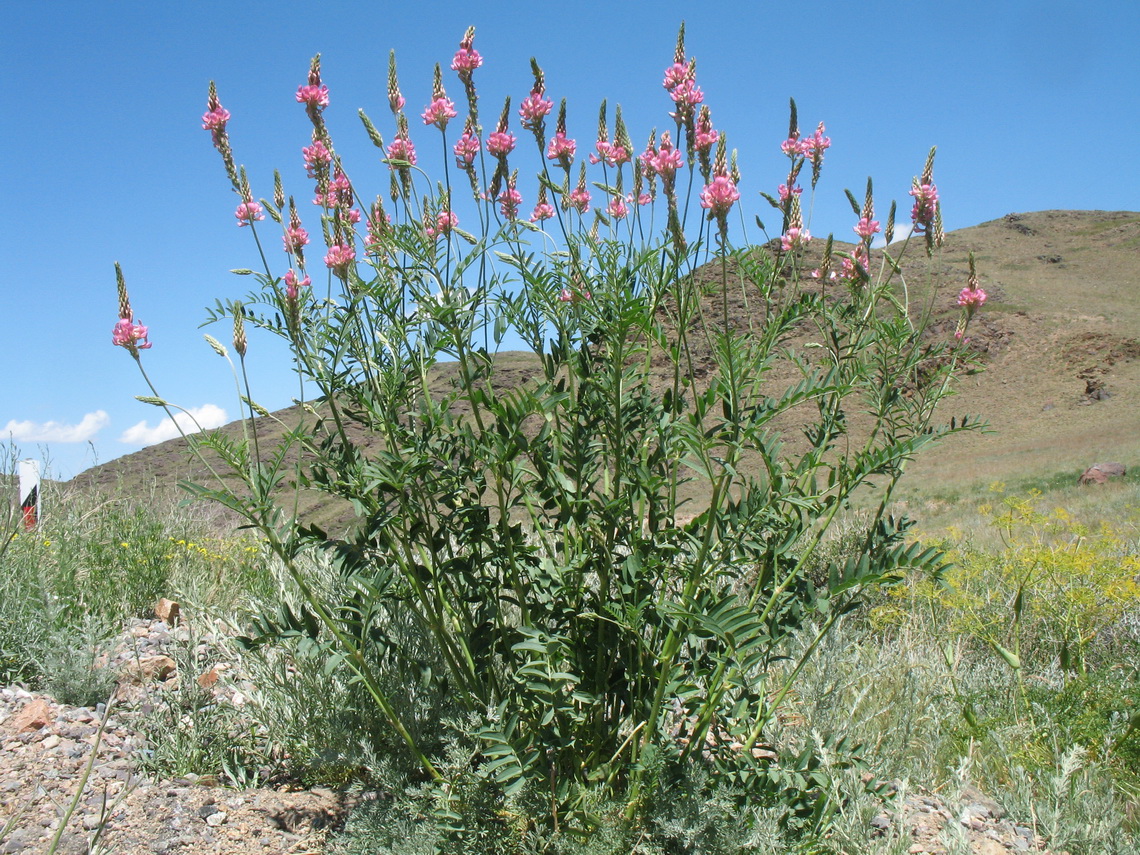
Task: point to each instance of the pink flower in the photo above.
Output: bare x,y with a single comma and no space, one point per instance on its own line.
561,149
402,149
466,60
501,143
294,238
438,112
644,199
247,212
815,145
465,149
668,159
130,335
339,257
675,75
794,146
686,95
719,196
215,120
705,136
445,221
617,208
315,155
352,215
533,108
796,238
867,227
542,211
787,192
580,199
568,296
509,201
925,206
971,299
339,193
313,95
292,284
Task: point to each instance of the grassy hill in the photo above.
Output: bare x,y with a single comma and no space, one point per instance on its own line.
1059,336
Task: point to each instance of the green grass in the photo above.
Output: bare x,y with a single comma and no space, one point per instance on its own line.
1060,751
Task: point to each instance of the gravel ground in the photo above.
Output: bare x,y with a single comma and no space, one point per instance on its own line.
46,748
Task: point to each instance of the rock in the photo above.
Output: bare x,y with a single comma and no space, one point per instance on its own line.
167,611
32,717
209,679
216,819
1100,473
150,668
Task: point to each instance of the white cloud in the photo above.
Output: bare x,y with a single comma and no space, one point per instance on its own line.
91,424
902,232
208,416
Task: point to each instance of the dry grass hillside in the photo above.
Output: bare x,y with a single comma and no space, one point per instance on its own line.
1059,336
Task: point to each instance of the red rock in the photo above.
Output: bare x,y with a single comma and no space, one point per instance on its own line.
32,717
167,610
149,668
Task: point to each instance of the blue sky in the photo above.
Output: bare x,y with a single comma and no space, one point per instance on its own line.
1033,105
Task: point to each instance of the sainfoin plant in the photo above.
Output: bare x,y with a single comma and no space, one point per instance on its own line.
591,569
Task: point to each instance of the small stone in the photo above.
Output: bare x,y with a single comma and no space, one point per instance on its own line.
51,742
216,819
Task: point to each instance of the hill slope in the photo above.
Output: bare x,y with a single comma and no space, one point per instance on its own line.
1060,337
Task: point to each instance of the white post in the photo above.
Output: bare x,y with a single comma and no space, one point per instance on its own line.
30,492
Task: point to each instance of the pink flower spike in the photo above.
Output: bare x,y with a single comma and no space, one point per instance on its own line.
466,148
719,196
292,283
438,112
786,192
644,199
668,159
466,60
796,238
402,149
542,211
501,143
580,199
971,299
561,149
509,201
339,257
925,206
215,120
675,75
533,108
131,335
316,96
867,227
792,146
247,212
568,296
294,238
315,155
617,208
445,221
